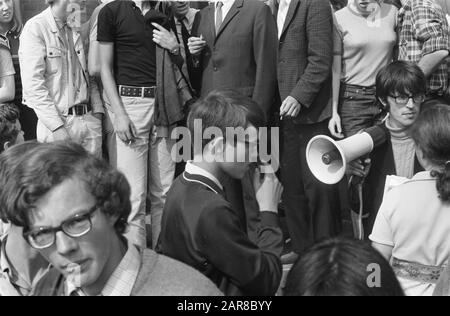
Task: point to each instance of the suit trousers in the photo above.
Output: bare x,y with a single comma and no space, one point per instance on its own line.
311,207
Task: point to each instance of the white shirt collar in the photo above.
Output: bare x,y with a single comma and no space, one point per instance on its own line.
196,170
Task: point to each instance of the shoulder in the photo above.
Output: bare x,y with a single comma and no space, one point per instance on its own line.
97,10
174,278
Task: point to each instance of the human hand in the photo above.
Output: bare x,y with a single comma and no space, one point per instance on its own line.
268,191
290,107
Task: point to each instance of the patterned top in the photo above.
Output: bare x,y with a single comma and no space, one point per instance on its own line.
423,29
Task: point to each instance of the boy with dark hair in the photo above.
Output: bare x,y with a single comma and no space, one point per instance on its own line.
200,227
74,208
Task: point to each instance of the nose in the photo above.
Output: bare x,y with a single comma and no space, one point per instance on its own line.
410,103
65,244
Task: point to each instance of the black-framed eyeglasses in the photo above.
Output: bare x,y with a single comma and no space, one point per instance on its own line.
404,99
75,227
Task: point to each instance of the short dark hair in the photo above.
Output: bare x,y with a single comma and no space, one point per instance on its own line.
431,133
224,109
49,165
401,77
9,114
9,160
339,267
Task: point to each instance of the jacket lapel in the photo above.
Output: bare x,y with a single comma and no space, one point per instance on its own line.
290,15
237,5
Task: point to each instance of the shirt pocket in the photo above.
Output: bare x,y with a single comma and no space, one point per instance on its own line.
54,60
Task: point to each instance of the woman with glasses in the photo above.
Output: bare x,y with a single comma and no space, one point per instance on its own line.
413,223
401,89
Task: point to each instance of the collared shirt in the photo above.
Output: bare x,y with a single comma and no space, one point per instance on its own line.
123,279
227,4
11,282
79,93
193,169
282,14
423,29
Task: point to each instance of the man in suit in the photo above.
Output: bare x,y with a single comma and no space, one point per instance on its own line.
235,46
235,41
304,79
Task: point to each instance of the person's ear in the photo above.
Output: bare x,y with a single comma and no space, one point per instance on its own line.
217,148
6,145
384,102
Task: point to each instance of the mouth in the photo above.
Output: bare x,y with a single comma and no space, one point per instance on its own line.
6,15
409,115
76,267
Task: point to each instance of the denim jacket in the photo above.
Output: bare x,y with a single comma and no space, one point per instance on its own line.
44,64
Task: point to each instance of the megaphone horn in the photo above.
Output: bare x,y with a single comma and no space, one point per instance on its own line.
327,159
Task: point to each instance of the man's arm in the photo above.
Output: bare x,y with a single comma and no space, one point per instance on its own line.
122,124
265,47
255,269
320,53
32,57
431,28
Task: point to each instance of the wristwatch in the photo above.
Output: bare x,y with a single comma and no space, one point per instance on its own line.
175,51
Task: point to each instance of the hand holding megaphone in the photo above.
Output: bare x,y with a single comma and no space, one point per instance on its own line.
328,159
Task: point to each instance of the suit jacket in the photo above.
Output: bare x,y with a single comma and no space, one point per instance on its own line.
305,58
200,228
243,54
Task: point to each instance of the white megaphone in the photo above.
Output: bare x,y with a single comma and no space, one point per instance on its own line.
327,159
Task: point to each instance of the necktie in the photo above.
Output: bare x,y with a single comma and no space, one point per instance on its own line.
281,16
219,18
184,35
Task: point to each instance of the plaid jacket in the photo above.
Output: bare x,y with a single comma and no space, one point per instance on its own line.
422,30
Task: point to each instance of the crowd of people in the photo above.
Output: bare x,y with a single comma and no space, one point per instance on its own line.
93,201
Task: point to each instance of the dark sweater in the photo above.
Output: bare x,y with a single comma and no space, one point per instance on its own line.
201,229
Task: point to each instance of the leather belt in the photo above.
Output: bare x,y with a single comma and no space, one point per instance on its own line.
80,110
137,92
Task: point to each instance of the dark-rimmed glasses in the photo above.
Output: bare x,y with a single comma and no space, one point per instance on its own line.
75,227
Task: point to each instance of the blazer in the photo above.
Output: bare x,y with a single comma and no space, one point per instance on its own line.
243,54
305,58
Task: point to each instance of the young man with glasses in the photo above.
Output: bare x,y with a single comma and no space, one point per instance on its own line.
401,88
74,208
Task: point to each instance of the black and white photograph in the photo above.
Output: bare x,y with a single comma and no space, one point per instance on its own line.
225,153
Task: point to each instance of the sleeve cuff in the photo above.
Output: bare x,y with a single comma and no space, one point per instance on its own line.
381,241
269,218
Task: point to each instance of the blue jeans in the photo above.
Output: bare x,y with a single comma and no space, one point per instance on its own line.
358,108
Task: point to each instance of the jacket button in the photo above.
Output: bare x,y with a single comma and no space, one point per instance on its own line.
215,68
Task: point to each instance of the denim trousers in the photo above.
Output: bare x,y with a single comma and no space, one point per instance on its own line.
358,108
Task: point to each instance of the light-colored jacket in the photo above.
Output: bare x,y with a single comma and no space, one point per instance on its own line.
44,64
